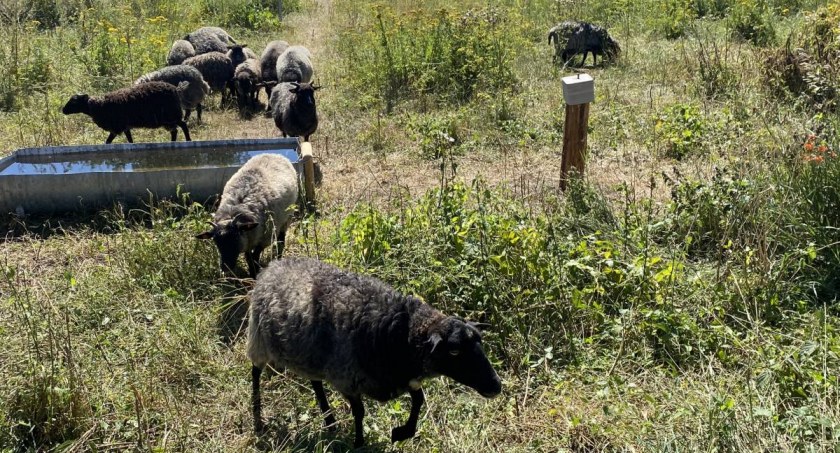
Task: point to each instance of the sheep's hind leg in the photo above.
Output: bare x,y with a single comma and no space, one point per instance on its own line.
408,430
357,407
256,403
110,138
173,134
186,130
128,136
324,404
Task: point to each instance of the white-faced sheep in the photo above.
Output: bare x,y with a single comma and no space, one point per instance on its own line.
217,70
295,65
148,105
293,108
361,336
246,82
210,39
180,51
195,91
268,63
256,208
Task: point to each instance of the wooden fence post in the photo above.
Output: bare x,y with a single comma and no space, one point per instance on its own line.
308,175
578,91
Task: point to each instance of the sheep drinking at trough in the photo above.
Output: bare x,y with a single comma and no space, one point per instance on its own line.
148,105
194,92
573,38
293,108
361,336
256,208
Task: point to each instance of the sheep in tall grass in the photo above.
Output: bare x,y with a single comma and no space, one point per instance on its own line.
210,39
293,109
255,211
573,38
361,336
193,94
148,105
180,51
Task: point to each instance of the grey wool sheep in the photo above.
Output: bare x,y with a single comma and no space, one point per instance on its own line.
247,83
268,63
256,208
293,108
193,94
210,39
571,38
361,336
216,68
148,105
295,65
180,51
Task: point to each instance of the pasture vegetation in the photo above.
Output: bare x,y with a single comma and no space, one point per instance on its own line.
682,297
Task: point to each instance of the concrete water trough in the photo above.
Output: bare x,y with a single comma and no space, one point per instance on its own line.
78,178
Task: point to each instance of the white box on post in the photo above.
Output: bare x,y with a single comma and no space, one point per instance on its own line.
579,89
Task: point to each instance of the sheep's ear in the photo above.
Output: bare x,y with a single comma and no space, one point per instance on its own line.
244,222
205,235
434,340
316,87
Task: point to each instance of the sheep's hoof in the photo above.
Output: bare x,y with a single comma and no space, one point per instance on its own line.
402,433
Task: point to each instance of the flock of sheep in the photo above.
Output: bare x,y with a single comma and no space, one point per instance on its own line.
205,61
323,323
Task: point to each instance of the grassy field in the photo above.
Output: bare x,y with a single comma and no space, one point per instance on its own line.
681,297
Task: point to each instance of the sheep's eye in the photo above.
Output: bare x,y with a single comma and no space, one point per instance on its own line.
454,352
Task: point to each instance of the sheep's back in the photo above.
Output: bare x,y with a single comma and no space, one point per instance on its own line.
215,67
268,59
295,65
148,105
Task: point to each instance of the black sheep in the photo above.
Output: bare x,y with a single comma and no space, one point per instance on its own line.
361,336
573,38
148,105
293,108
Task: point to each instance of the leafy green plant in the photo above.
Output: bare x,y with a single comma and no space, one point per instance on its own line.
751,20
682,127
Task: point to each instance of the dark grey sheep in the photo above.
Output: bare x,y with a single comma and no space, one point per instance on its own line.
361,336
293,108
210,39
295,65
268,63
256,208
246,82
148,105
217,70
238,53
180,51
573,38
194,93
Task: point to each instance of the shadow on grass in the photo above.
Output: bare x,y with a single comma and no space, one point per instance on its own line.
233,314
277,437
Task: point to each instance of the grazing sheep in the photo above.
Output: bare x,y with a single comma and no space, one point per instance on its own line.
180,51
361,336
573,38
293,108
246,82
254,209
209,39
148,105
268,63
295,65
217,70
238,53
192,95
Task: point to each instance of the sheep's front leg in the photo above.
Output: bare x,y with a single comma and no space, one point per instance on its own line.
110,138
357,407
173,134
183,125
255,398
253,260
408,430
324,404
128,136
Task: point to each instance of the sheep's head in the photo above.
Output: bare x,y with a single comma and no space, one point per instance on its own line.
612,49
236,53
78,103
456,352
304,92
227,234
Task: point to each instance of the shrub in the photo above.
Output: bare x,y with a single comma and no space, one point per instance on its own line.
683,128
751,20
